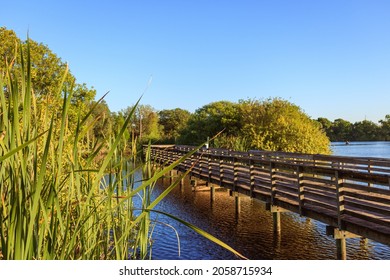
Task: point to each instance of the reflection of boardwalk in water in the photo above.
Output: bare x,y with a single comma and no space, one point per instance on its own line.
351,195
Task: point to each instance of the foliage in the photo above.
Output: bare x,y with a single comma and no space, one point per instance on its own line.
342,130
211,119
278,125
273,124
144,123
172,122
47,73
385,128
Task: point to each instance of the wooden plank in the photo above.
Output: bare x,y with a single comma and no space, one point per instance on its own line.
367,196
368,207
367,217
362,188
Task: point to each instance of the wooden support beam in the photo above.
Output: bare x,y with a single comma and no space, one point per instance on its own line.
209,168
182,184
220,169
341,244
212,192
339,182
277,222
275,208
251,177
235,174
237,203
339,234
170,177
272,172
301,189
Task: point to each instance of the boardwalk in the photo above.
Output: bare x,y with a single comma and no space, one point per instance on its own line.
351,195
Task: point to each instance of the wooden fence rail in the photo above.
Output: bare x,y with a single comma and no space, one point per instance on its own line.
348,193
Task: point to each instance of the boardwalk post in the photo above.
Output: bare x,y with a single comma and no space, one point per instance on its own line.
212,192
192,165
277,222
235,174
273,182
341,237
341,245
339,199
200,164
170,177
340,242
220,170
301,195
209,168
237,201
369,168
251,176
182,184
275,213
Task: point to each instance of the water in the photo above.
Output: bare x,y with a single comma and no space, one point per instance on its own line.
362,149
251,232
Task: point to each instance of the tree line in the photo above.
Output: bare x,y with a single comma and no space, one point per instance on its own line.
342,130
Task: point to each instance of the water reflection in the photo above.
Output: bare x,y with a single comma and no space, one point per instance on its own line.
250,232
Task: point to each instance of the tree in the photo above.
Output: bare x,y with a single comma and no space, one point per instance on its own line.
47,73
278,125
326,125
342,130
172,122
145,122
103,120
364,131
385,128
211,119
8,48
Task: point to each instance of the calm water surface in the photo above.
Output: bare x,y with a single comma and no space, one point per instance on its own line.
251,232
362,149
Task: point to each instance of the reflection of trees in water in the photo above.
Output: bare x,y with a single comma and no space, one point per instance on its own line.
251,233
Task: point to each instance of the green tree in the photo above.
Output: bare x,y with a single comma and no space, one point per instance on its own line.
103,118
342,130
145,123
8,49
211,119
365,131
47,73
326,125
172,122
385,128
278,125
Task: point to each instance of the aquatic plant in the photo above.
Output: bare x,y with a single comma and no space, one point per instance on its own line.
65,195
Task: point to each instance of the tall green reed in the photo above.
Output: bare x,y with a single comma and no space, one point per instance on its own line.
59,199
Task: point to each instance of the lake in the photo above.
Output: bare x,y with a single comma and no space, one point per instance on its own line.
362,149
251,232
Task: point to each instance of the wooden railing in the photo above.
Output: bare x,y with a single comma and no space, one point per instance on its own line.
348,193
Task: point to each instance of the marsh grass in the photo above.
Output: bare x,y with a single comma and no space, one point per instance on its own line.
59,198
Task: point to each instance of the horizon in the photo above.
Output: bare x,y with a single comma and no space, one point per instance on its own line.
330,59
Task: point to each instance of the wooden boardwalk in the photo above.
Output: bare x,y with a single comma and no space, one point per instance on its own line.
351,195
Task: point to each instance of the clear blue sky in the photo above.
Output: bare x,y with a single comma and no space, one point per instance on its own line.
330,57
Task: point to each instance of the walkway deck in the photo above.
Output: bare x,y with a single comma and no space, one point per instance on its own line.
349,194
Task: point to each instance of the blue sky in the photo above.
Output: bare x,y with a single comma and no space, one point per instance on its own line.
331,58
